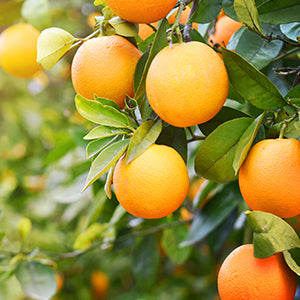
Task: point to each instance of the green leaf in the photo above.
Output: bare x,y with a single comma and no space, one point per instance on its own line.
171,238
118,214
174,137
109,182
215,156
247,13
246,142
139,70
207,188
145,262
228,7
291,30
104,132
271,234
144,136
224,115
24,227
294,95
37,13
279,12
293,130
254,49
100,2
96,146
105,160
250,83
207,10
291,262
107,102
123,27
96,112
53,43
36,279
159,43
213,213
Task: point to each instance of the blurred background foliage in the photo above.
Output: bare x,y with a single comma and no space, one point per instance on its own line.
43,168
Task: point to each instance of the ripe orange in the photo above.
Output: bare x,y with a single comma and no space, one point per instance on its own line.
187,84
183,18
141,11
146,30
225,28
154,184
18,50
245,277
100,284
60,282
91,19
269,178
105,66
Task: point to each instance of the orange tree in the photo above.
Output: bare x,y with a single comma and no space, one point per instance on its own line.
152,116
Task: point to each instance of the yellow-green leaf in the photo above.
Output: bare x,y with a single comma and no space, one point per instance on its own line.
52,45
123,27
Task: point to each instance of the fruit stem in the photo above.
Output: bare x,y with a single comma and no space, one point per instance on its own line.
188,26
175,27
285,125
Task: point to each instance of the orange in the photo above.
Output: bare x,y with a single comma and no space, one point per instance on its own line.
187,84
100,284
141,11
269,177
18,50
145,30
105,66
60,282
154,184
245,277
91,19
183,18
225,28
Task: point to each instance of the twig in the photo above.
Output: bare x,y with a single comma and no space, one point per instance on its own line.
188,26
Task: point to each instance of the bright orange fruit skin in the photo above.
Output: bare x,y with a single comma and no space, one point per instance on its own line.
141,11
105,66
18,50
154,184
269,178
245,277
225,28
187,84
100,283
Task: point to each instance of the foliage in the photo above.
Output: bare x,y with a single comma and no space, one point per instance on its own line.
49,226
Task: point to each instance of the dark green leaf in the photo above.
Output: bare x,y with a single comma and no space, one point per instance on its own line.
245,142
207,188
213,213
291,30
291,262
207,10
247,13
144,136
96,112
103,132
174,137
139,70
224,115
228,7
253,85
256,50
279,12
105,160
36,279
96,146
159,43
196,36
219,235
215,156
170,241
271,234
145,262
